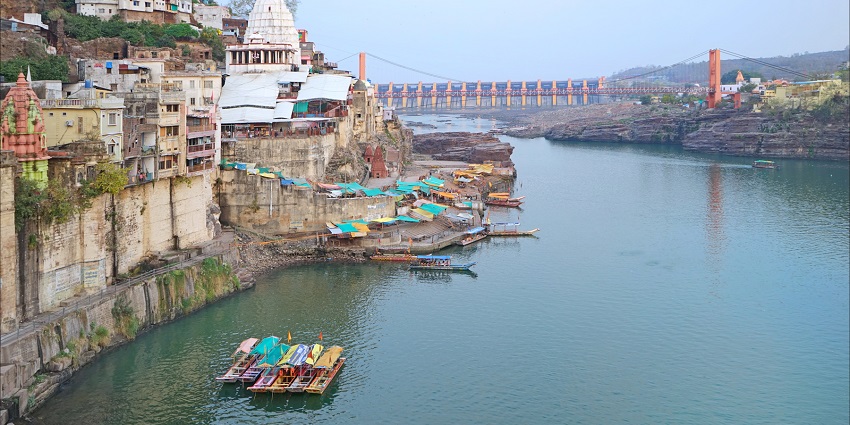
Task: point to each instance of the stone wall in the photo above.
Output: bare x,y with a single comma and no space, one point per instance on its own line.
263,206
306,157
8,243
62,347
86,253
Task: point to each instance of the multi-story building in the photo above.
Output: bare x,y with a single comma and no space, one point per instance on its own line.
202,88
211,16
235,24
156,11
86,116
156,131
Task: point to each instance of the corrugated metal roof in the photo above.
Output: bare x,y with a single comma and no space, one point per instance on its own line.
292,77
328,87
249,90
283,110
247,115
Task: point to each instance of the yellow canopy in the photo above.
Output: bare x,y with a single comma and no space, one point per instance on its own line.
383,220
314,354
329,358
361,227
445,194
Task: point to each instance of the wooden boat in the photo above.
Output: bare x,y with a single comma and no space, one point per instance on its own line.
292,364
513,232
304,375
472,236
326,369
241,363
394,257
761,163
438,262
508,229
513,203
269,368
252,372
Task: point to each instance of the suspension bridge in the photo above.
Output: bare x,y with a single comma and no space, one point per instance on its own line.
540,93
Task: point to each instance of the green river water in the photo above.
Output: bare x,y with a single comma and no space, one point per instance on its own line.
665,287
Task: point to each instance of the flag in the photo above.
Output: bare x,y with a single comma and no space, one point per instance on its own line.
320,336
288,337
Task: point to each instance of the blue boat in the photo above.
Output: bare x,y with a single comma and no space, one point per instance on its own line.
438,262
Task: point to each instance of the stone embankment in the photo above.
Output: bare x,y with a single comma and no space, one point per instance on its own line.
47,351
725,131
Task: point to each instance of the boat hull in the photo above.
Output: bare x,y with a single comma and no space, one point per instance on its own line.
324,380
458,267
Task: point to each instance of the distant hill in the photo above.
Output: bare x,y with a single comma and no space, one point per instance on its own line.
697,72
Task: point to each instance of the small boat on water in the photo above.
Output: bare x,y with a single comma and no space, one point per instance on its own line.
438,262
292,365
326,369
256,353
509,229
394,257
761,163
472,235
241,363
269,363
254,370
504,202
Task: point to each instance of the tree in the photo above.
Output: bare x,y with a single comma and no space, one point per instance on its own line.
747,88
181,31
645,99
48,68
242,8
729,77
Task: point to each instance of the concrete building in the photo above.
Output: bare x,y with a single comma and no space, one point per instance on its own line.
211,16
235,24
155,120
155,11
202,89
86,116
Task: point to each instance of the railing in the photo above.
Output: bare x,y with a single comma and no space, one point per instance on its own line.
300,132
82,103
142,178
201,148
206,165
199,128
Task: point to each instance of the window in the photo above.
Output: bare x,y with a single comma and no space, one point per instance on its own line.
101,10
50,114
154,54
191,84
135,3
208,84
171,130
208,101
192,101
165,164
147,4
113,118
113,87
172,108
111,149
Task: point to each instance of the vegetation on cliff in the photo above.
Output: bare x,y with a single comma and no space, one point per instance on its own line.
57,203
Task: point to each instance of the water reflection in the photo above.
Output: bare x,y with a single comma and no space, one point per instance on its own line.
714,225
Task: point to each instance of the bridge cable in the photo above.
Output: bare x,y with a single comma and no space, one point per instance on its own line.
769,65
660,69
348,57
414,69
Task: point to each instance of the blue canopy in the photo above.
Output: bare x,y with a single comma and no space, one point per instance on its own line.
286,182
474,230
373,192
433,208
407,219
434,257
299,356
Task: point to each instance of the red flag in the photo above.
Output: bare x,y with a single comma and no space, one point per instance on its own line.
320,336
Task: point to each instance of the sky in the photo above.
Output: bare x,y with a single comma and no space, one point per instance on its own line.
499,40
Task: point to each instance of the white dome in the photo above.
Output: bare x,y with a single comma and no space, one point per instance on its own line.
273,20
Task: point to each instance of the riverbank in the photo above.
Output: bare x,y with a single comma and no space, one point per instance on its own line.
793,134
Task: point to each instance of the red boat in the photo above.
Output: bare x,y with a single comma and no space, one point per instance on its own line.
504,202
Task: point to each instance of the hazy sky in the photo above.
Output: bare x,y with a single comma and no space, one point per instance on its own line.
497,40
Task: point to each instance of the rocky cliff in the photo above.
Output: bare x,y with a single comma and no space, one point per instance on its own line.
734,132
466,147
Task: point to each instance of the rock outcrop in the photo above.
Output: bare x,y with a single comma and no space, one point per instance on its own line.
466,147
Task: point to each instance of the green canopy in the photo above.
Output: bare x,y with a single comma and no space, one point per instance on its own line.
433,208
265,345
373,192
273,356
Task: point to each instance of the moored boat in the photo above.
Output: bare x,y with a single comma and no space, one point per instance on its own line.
269,368
509,229
393,257
291,366
241,363
472,235
761,163
326,369
513,202
438,262
260,350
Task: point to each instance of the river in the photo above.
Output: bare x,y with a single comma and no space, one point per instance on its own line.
665,287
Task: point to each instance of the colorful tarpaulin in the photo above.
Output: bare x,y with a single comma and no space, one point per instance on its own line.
434,209
346,227
407,219
433,181
424,214
327,360
265,345
373,192
273,356
446,195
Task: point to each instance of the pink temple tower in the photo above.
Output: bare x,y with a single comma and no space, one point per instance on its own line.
22,130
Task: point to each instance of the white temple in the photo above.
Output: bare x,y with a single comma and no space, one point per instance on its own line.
271,41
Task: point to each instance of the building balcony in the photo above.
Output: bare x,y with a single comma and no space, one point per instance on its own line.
197,151
192,170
